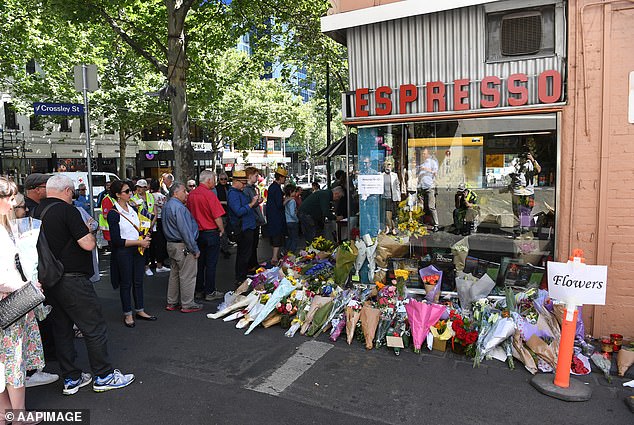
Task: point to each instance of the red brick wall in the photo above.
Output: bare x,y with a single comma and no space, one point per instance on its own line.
596,209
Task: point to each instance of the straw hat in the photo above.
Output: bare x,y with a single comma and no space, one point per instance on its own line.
239,175
281,171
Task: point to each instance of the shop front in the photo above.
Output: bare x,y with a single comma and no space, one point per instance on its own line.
487,185
470,89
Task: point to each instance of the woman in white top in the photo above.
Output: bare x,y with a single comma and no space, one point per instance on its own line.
21,347
127,264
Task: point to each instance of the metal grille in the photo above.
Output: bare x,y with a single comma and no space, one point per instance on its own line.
521,34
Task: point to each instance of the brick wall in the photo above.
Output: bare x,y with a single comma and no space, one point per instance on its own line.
596,210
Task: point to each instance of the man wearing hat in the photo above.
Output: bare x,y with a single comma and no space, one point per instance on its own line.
242,218
35,187
466,210
275,213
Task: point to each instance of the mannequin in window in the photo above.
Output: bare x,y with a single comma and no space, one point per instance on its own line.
391,195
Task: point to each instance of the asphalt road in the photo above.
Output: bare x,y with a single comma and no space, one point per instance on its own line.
193,370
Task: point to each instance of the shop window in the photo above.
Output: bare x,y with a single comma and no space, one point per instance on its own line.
521,33
482,189
82,125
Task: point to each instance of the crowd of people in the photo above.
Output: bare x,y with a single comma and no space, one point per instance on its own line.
147,227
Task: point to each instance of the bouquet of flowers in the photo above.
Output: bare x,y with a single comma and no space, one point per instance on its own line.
285,288
287,307
321,246
321,270
339,303
460,251
421,316
369,322
431,277
353,313
302,310
345,259
412,228
465,334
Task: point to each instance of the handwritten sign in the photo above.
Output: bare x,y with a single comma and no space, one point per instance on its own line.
577,283
371,184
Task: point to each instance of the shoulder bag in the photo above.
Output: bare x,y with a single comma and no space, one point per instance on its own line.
19,302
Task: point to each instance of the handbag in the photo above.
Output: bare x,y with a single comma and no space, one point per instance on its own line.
19,302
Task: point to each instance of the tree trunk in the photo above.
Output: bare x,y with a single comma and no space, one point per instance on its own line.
122,148
177,75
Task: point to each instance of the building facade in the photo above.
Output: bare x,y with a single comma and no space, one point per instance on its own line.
523,103
46,144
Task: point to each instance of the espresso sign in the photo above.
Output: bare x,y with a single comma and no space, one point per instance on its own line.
577,283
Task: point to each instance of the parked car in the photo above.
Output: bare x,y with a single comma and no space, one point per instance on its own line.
304,183
99,180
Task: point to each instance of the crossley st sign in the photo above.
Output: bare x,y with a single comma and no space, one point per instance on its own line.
435,94
67,109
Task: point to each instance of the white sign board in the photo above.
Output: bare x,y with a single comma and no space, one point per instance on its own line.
577,283
370,184
91,78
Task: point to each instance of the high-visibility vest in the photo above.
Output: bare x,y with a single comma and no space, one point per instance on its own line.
106,205
145,208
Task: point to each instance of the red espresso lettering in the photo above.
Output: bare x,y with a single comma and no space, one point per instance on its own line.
488,90
436,93
542,86
407,94
459,94
360,102
518,89
385,102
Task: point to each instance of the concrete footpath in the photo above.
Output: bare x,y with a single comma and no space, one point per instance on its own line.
193,370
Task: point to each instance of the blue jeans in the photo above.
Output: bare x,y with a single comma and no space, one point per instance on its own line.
293,236
209,245
131,267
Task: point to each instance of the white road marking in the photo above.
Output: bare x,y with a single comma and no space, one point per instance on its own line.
307,354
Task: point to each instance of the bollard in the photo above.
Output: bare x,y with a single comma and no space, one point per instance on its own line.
566,346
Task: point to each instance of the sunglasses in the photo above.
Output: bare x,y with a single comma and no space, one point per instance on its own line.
82,190
222,178
126,191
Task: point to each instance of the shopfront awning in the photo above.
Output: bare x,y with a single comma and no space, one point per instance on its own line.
339,147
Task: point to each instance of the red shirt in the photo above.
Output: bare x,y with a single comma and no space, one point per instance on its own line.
205,207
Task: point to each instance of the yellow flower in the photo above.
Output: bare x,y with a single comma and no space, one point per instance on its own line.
379,285
401,273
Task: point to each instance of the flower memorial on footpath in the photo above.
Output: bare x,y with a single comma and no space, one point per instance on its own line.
313,293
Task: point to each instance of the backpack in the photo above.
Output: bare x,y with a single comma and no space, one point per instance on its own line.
49,269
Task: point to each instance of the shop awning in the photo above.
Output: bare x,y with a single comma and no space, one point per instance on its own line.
339,147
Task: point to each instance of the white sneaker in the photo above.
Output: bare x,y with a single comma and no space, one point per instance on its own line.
162,269
40,378
148,272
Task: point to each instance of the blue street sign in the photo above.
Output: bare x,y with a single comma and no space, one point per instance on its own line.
42,108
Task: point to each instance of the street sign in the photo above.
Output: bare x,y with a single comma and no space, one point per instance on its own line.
577,283
68,109
91,78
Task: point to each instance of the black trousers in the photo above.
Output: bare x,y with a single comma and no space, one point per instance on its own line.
253,255
243,254
74,301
